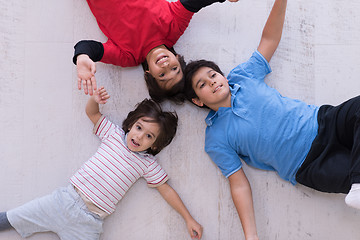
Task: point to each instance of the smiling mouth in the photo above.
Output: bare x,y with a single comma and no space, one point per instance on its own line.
217,88
162,59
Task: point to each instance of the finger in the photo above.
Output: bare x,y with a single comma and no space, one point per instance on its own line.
85,87
198,232
90,88
101,90
104,92
79,83
106,96
93,82
195,234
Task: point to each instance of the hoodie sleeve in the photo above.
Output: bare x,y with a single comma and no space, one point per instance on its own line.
94,49
196,5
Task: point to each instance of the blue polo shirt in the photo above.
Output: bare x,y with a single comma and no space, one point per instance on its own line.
266,130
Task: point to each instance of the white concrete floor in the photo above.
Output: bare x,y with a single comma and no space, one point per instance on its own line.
45,135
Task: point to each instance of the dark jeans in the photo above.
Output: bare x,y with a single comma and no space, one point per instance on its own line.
333,162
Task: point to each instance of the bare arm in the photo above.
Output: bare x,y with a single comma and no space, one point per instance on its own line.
273,30
242,197
173,199
92,107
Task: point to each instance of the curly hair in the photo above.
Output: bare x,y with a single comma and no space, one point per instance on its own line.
167,121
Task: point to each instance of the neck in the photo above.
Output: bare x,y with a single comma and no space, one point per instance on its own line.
226,103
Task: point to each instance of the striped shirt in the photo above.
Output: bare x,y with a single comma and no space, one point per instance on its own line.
113,169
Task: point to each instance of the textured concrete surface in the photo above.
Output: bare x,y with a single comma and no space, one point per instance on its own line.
45,135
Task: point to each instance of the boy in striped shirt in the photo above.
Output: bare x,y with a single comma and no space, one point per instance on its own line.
124,155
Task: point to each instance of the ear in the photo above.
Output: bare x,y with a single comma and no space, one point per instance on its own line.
147,71
153,148
197,102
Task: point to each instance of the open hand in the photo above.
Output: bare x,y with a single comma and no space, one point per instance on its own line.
86,73
101,96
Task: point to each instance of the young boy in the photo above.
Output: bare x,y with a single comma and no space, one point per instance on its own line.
315,146
140,32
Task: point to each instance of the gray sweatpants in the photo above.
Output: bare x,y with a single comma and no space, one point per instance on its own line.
62,212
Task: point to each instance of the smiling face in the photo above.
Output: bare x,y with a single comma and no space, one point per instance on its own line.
142,134
164,66
212,89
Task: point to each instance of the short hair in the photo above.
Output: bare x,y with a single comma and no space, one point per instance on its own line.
167,121
175,94
190,71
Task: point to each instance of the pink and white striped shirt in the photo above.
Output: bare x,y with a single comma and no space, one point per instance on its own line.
113,169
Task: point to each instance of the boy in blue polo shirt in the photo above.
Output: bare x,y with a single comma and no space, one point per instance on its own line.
315,146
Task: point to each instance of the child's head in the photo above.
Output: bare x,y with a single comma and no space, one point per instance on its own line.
205,84
149,128
163,73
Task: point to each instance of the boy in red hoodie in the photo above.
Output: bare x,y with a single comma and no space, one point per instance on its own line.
139,32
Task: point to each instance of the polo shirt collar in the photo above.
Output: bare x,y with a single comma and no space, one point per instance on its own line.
213,115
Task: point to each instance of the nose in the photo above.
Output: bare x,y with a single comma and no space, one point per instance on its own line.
212,82
140,136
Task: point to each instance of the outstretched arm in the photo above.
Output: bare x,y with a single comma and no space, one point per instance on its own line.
92,107
87,52
173,199
242,197
272,32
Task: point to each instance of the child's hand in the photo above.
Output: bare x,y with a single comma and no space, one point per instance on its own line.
195,229
101,96
86,73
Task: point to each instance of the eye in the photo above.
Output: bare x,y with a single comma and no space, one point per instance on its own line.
213,75
161,74
202,85
138,127
148,136
174,68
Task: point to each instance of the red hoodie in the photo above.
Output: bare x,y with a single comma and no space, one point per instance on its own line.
135,27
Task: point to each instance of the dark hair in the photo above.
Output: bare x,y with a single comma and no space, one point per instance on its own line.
174,94
190,70
166,120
